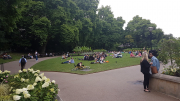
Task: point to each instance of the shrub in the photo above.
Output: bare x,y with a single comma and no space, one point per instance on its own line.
4,75
99,50
30,85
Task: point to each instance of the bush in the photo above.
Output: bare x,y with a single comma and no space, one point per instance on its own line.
99,50
30,85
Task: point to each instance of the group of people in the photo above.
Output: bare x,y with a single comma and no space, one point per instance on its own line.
6,56
100,57
137,54
88,57
64,56
147,66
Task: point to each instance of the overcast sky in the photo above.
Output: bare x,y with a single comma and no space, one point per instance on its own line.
164,13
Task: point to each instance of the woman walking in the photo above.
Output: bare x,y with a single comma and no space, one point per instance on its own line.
145,68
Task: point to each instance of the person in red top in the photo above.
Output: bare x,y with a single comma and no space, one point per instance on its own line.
139,54
132,55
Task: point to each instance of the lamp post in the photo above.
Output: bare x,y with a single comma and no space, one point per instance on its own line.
150,30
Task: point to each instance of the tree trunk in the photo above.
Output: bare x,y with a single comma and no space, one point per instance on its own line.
43,48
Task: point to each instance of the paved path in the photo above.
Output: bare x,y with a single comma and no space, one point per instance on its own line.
14,65
114,85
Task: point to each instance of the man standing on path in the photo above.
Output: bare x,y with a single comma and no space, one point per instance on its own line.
154,60
36,54
22,62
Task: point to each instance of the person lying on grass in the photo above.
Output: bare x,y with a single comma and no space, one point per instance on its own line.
69,61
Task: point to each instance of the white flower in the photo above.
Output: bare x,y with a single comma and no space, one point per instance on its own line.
0,71
33,72
36,74
48,80
16,76
25,92
25,89
30,70
27,80
38,71
24,70
38,79
35,84
53,81
16,97
27,95
44,78
30,87
18,91
42,74
46,84
52,90
6,71
20,71
22,79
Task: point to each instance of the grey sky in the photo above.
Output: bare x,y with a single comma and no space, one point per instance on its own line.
164,13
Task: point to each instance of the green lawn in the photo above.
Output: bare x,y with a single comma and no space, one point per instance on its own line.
55,64
15,56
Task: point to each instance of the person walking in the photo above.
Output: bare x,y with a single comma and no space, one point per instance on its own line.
145,68
36,54
22,62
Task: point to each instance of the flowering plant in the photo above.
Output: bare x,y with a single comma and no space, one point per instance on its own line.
30,85
171,71
4,75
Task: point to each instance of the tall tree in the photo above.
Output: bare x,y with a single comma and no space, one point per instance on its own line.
138,28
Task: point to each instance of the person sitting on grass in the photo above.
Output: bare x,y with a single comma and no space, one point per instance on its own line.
101,59
5,56
139,54
80,66
63,56
132,55
85,57
29,55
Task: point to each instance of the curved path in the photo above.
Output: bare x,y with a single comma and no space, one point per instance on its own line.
114,85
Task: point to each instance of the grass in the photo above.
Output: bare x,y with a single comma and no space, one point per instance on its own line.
56,66
15,56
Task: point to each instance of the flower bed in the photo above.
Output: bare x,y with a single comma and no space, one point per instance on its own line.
171,71
27,85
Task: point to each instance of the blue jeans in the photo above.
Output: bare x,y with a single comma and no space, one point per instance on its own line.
66,62
36,57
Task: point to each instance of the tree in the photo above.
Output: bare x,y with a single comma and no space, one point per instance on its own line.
169,50
138,28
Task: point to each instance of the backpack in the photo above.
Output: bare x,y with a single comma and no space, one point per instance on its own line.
23,61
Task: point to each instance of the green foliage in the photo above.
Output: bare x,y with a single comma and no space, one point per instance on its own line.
4,75
61,25
138,29
170,51
99,50
77,49
171,71
32,86
82,49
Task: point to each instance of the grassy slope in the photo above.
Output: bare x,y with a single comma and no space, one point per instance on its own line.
15,56
55,64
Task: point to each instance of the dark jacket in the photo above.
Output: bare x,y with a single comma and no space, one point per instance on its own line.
145,66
